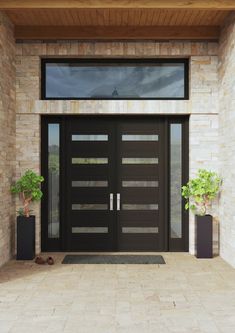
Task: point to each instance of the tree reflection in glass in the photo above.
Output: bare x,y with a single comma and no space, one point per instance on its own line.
158,80
53,180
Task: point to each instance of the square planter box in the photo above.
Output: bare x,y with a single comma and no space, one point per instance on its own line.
25,238
204,235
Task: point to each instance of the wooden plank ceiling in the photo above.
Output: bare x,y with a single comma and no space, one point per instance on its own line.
130,20
117,17
95,4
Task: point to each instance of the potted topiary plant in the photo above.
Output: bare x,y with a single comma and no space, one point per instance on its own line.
28,188
199,193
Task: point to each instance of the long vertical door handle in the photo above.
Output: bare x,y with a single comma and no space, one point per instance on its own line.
111,201
118,201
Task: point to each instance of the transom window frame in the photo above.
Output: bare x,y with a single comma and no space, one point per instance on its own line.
113,62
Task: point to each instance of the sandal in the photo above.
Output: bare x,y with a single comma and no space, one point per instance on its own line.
50,261
40,261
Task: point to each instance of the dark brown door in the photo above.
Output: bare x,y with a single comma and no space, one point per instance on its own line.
141,185
115,185
90,146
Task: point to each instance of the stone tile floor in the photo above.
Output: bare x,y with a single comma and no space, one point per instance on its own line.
187,295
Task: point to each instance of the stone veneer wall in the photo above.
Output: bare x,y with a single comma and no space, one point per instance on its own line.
227,139
7,138
202,106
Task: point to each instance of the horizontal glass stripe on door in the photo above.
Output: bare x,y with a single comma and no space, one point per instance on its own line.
89,183
140,230
139,137
140,206
139,160
89,206
89,137
89,160
139,183
90,230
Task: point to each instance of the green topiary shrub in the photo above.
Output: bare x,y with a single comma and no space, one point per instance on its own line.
28,187
200,191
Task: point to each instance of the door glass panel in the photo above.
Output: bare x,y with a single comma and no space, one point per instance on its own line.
89,230
89,137
89,183
139,183
89,160
139,137
139,206
176,180
139,160
53,180
89,206
140,230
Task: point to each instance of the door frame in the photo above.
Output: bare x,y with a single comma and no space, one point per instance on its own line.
58,245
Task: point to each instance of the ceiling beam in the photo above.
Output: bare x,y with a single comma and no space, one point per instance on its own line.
117,32
96,4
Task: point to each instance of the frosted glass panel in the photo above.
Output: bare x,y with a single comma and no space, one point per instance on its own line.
89,207
139,160
89,183
89,160
140,207
89,230
89,137
139,183
53,180
139,137
140,230
176,181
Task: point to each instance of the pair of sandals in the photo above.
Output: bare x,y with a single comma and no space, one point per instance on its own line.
41,261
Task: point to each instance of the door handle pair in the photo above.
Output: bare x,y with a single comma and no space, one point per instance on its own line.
111,201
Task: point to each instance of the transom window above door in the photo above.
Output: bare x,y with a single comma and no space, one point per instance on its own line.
115,79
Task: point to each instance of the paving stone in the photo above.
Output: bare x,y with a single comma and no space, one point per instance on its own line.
203,302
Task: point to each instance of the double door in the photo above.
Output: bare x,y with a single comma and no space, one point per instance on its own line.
115,184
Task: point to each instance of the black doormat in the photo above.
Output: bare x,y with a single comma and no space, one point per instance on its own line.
113,259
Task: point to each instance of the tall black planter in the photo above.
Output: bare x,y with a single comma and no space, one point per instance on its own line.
25,238
204,235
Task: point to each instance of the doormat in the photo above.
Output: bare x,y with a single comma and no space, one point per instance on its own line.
113,259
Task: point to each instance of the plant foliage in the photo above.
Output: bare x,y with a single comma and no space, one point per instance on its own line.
28,187
200,191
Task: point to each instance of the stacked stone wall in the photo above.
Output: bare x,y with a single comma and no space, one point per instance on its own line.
7,138
202,107
227,139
